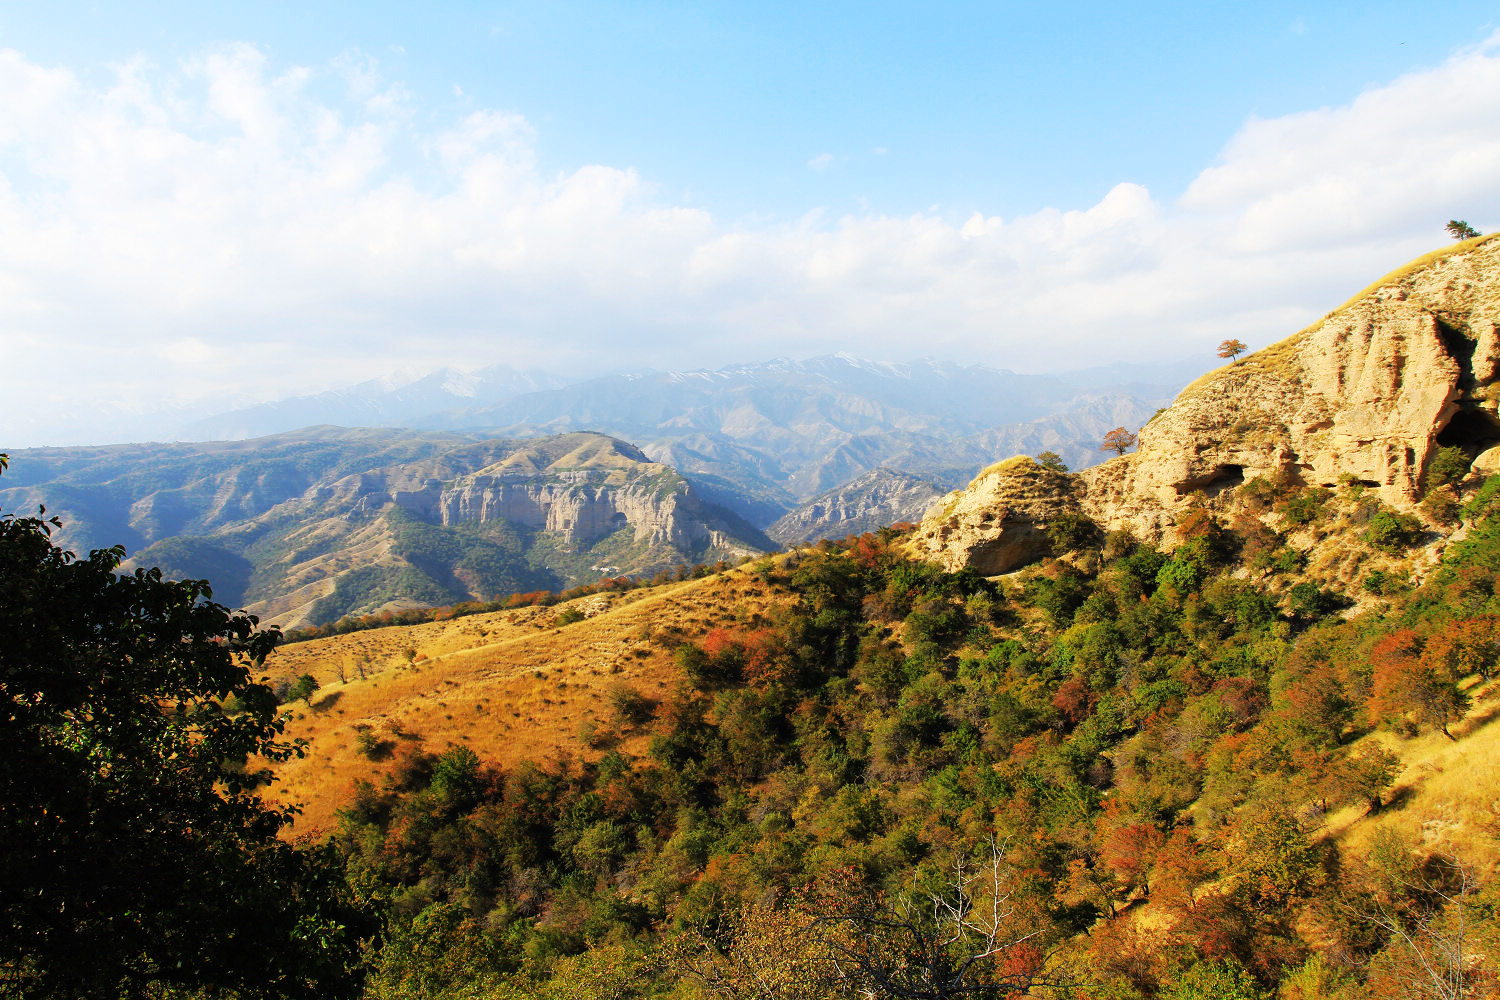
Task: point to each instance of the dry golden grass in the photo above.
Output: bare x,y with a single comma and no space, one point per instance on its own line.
511,685
1447,796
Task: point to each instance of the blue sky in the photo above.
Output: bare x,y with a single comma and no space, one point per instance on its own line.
1000,108
340,191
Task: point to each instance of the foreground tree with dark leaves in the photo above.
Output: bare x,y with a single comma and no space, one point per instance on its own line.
135,856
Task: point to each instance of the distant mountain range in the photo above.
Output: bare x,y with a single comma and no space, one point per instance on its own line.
504,480
314,525
873,501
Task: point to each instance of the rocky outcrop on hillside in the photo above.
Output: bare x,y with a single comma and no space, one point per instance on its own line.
1368,394
998,522
873,501
580,488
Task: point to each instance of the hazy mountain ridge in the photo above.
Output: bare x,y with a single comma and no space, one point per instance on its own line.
766,436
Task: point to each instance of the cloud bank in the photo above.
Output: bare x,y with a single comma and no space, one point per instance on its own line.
228,230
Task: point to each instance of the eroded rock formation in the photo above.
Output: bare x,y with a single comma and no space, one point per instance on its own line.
1369,393
999,521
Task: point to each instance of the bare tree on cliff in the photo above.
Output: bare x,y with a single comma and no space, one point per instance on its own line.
970,934
1118,441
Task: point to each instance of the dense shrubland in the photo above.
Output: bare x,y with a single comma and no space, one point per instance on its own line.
1111,772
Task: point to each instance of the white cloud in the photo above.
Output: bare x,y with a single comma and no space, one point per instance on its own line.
820,162
214,232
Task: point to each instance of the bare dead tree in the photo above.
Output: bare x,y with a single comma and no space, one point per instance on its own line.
1437,941
761,952
962,940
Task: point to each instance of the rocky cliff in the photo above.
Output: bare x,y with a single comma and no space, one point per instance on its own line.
999,521
580,488
1368,394
872,501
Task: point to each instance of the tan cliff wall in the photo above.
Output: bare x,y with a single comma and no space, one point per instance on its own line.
1370,393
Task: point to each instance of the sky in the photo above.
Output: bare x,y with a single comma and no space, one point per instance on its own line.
203,208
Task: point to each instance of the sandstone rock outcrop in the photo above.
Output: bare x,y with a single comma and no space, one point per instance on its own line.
1369,393
998,522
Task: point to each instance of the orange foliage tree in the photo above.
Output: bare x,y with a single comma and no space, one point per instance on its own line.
1118,441
1232,348
1412,682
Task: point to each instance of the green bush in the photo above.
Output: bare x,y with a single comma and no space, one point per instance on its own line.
1392,532
1216,981
1484,499
1051,461
1309,601
1449,465
1305,506
1383,584
1069,532
1182,575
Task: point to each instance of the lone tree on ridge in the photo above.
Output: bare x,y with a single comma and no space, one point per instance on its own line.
1118,441
1461,230
1232,349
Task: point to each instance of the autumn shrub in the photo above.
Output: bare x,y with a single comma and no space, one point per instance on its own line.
1441,506
630,707
370,745
568,616
1411,686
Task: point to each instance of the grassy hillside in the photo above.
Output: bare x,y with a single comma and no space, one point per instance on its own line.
1198,768
511,685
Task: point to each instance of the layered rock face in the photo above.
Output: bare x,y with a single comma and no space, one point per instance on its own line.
1371,393
871,502
583,507
579,487
998,522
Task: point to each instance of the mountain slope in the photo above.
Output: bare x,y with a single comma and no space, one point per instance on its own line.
762,438
308,528
871,502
